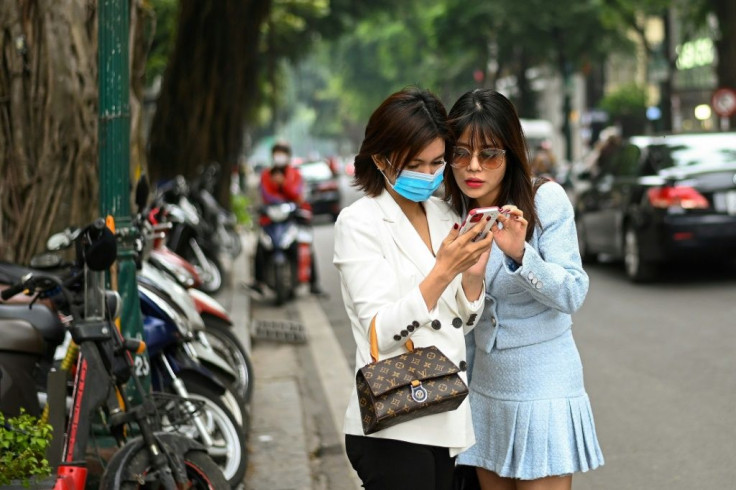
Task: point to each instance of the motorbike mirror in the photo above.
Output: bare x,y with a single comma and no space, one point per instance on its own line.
58,241
45,261
141,192
99,249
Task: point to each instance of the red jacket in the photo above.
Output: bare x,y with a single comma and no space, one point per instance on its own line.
292,190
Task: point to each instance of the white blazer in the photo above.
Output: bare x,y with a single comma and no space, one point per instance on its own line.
381,260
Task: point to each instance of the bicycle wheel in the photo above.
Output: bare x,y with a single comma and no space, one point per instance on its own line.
202,473
228,449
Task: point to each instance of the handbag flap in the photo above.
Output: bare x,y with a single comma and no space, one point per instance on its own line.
422,364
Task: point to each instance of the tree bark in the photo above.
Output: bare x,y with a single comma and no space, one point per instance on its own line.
48,142
48,118
208,89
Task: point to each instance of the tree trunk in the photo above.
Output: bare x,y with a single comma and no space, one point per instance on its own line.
527,104
48,143
48,118
208,89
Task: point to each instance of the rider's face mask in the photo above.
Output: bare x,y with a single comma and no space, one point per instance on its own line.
280,159
416,186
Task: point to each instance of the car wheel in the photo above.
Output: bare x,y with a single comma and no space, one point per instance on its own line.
637,269
583,248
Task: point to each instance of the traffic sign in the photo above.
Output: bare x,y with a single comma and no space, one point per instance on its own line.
724,102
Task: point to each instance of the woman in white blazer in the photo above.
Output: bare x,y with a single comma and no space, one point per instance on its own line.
402,261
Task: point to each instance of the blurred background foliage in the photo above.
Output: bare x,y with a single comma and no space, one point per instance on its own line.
626,100
340,58
220,80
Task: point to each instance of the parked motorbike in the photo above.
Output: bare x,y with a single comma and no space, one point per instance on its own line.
154,459
208,319
176,368
285,239
190,235
222,223
218,333
177,307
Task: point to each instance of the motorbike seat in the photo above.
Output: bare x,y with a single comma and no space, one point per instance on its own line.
44,321
11,273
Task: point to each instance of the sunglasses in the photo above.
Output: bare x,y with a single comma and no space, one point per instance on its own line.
488,158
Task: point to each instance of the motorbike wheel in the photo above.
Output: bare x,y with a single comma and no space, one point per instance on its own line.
284,283
202,473
228,450
211,281
226,343
236,245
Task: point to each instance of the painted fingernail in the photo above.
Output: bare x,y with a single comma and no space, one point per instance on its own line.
455,226
488,218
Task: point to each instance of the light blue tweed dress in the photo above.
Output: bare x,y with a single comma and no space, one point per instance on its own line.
531,414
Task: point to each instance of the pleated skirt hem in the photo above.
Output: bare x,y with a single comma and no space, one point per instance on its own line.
528,440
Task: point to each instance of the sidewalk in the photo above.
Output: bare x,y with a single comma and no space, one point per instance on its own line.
293,444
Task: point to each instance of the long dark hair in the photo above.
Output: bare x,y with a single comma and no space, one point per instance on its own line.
493,121
398,130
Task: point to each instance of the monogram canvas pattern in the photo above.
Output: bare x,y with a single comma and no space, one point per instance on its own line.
384,388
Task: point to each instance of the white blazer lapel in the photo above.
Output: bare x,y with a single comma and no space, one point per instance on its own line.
405,236
440,221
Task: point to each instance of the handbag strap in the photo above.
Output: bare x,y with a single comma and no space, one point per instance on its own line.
374,341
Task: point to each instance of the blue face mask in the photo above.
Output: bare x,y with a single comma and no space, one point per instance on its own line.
417,186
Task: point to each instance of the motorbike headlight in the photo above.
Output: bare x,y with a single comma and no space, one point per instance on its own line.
280,212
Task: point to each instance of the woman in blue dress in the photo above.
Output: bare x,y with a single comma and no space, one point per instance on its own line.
531,415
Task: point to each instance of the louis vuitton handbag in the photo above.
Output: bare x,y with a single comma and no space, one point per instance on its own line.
420,382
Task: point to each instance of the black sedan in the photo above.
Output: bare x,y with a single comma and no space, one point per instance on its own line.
650,200
322,187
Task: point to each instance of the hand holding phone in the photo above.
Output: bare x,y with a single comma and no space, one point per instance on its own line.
488,214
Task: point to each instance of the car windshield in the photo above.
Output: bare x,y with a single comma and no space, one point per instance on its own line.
712,150
315,171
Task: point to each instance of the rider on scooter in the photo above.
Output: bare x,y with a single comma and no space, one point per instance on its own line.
282,183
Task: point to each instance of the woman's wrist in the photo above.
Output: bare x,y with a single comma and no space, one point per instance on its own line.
472,286
519,256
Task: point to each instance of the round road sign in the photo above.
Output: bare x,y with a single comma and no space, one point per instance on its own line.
724,102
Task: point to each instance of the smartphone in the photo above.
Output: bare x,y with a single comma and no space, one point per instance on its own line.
479,214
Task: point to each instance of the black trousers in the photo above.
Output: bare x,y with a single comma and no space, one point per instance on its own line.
386,464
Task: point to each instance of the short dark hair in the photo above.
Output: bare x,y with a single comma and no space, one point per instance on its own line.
398,130
281,146
493,121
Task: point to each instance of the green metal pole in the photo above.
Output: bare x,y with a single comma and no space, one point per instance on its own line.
114,161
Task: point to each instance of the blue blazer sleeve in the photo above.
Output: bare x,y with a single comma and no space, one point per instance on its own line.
533,301
551,269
